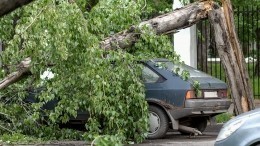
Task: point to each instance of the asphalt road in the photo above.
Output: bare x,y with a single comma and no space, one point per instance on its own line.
172,139
176,139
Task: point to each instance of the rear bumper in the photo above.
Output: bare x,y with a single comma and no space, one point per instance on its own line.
201,107
204,103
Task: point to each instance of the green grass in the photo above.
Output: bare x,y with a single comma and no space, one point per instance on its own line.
216,70
223,118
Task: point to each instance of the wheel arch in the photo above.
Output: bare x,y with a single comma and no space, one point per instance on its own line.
256,142
160,104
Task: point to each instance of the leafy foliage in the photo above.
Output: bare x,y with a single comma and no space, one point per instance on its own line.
61,37
153,8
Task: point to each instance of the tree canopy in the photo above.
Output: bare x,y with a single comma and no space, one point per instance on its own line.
63,37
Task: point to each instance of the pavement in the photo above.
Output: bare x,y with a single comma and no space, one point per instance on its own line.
173,138
176,139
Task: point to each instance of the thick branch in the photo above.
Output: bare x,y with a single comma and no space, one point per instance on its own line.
23,68
178,19
7,6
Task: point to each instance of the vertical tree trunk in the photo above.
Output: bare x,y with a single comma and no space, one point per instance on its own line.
232,57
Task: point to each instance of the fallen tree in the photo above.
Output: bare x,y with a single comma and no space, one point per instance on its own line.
229,51
167,23
231,55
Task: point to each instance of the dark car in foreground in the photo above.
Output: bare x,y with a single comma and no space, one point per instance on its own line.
174,103
243,130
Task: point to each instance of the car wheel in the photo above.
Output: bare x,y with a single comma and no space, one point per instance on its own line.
158,122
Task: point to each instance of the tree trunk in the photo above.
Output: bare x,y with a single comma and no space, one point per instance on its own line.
7,6
22,68
232,57
167,23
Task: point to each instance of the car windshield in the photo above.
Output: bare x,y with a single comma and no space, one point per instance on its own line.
183,67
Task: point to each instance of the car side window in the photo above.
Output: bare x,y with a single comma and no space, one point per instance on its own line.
149,76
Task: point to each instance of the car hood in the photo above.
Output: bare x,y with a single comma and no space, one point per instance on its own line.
209,82
244,115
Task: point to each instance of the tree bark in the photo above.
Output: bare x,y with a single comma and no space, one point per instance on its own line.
7,6
232,57
167,23
22,68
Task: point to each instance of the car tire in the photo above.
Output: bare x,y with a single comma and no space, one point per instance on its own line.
158,122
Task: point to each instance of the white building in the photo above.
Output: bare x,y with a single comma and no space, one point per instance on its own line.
185,43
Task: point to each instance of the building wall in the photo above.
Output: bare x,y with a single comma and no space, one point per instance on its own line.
185,43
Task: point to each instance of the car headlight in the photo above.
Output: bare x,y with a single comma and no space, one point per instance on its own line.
227,130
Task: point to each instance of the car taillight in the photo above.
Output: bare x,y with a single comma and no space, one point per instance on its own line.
222,93
190,94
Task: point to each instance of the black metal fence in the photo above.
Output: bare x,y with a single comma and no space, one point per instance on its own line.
247,21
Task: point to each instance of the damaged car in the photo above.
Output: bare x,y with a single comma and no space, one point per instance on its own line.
175,102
